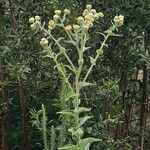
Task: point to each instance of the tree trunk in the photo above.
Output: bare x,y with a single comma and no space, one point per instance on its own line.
24,116
143,108
128,118
5,103
5,96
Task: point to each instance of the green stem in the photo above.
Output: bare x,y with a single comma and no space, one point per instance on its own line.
62,73
44,128
97,56
77,103
65,54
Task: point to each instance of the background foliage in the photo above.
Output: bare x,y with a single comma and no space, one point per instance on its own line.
115,100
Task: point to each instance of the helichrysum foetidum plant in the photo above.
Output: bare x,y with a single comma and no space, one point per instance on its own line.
76,35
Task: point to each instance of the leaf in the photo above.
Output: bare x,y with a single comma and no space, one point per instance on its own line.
76,133
67,113
86,48
84,84
69,96
101,34
85,143
84,119
69,67
71,42
69,147
92,61
81,109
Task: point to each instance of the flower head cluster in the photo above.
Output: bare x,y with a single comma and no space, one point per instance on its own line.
35,22
89,16
85,21
119,20
52,23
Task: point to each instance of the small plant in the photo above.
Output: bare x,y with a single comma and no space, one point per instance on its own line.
74,37
40,121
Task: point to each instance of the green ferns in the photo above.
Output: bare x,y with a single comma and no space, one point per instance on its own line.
74,38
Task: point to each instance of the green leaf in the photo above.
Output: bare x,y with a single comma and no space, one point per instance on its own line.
76,133
85,143
69,96
69,147
92,60
86,48
67,113
84,84
81,109
84,119
71,42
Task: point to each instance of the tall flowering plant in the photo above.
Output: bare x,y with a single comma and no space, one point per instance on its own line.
75,36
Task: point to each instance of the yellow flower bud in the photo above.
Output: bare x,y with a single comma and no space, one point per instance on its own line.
85,12
96,16
90,14
93,11
90,24
101,15
86,27
33,26
32,20
119,20
76,27
51,22
121,16
88,18
56,17
89,7
37,23
37,18
80,19
58,12
44,42
68,28
67,12
50,27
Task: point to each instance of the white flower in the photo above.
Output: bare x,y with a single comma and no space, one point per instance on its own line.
96,16
80,19
101,15
37,18
33,26
67,12
76,27
31,20
56,17
58,12
89,7
119,20
93,11
44,42
85,12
